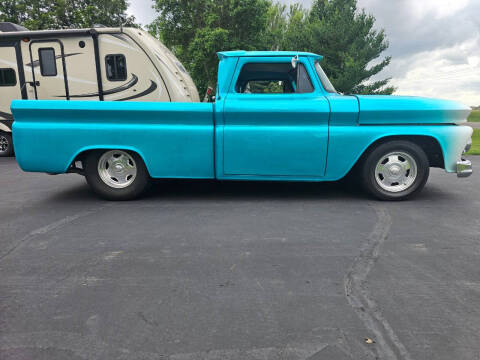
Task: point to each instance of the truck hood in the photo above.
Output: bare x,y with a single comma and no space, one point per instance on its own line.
378,109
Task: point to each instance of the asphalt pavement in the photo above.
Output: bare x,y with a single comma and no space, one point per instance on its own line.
207,270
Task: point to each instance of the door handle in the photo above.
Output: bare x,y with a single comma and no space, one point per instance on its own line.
31,83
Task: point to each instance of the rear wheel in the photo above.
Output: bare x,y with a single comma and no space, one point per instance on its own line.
116,174
396,170
6,144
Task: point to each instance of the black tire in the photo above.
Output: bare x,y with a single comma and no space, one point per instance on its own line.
371,180
6,144
102,188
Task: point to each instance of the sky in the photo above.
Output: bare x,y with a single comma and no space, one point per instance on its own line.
434,44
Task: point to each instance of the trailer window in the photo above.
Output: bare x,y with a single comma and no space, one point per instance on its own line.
48,63
8,77
116,67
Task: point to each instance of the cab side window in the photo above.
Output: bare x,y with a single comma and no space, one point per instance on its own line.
273,78
116,67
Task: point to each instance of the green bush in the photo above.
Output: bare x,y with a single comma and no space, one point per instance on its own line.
474,116
475,150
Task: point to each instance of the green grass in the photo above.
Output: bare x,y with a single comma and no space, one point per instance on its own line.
474,116
475,150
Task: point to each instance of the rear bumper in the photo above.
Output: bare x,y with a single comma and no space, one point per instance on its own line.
464,168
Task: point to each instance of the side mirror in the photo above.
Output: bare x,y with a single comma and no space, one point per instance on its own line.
294,61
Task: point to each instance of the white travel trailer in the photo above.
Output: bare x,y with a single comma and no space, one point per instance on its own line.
111,64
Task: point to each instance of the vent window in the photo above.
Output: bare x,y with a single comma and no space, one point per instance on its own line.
116,67
8,77
48,63
304,84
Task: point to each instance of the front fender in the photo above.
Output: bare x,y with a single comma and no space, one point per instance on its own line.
348,143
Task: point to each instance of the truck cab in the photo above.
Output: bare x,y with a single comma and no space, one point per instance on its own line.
275,108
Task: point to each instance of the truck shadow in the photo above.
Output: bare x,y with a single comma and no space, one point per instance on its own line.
250,190
276,190
209,190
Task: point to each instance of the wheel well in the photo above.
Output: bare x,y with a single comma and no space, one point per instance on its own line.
81,156
429,144
78,166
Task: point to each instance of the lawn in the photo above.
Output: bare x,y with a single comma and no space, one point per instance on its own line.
475,150
474,116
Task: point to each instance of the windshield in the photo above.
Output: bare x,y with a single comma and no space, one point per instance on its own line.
327,85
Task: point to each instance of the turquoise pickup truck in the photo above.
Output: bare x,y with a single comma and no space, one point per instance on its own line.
276,116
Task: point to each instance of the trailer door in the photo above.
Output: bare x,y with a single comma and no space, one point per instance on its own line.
49,73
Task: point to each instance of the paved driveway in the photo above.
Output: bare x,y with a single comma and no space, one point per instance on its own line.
203,270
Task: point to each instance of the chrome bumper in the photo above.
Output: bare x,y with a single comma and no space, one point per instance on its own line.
464,168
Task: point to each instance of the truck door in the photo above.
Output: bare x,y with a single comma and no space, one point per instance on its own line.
9,84
49,73
275,120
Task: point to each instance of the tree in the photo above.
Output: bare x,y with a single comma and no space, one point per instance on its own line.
277,21
197,30
347,40
58,14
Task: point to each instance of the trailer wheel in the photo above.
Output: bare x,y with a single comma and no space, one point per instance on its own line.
395,170
6,144
116,174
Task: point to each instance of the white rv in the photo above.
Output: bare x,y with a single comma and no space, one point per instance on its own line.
114,64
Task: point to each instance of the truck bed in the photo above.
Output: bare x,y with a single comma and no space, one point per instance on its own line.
174,139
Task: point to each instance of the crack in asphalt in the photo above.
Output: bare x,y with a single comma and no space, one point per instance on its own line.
358,295
48,228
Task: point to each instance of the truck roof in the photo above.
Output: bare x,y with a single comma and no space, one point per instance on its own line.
243,53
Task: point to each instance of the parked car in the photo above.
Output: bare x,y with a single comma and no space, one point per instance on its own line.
276,116
116,64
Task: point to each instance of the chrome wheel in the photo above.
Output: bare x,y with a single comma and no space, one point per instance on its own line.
4,144
117,169
396,172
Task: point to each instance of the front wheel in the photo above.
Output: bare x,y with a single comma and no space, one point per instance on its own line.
6,145
116,174
396,170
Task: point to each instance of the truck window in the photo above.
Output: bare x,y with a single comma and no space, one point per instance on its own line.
48,63
273,78
116,67
8,77
268,87
324,79
304,84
